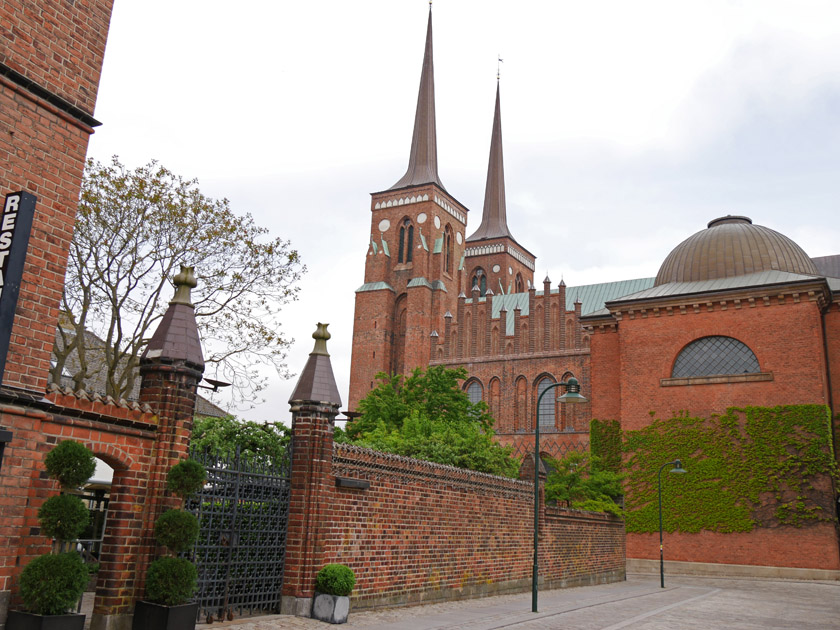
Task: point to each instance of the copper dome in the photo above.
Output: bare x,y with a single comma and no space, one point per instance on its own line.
733,246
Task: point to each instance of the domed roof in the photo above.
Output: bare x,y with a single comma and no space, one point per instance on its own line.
733,246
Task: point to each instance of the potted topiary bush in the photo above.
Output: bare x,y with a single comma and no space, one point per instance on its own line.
51,585
333,585
170,580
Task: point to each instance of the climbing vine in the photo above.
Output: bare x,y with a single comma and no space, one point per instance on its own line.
605,443
751,467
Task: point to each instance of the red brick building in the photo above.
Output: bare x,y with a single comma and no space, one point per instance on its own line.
738,315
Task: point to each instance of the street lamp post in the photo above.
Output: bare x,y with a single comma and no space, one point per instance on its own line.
677,468
572,395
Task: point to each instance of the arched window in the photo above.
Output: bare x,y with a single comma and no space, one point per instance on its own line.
709,356
406,250
520,286
547,404
479,279
447,250
474,391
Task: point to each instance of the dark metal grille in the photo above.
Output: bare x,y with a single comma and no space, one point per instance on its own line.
715,355
243,513
554,449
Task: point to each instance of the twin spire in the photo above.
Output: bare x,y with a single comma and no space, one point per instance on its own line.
422,162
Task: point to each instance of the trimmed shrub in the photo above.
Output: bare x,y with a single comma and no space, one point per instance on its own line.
186,478
63,517
53,584
70,463
335,579
171,581
176,529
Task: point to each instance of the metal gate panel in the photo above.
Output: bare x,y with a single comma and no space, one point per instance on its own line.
243,515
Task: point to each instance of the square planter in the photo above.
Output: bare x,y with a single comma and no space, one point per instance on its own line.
148,615
330,608
18,620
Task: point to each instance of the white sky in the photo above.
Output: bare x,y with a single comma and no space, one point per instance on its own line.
627,125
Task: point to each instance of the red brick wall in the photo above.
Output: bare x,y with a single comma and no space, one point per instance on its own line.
424,532
57,44
786,338
121,437
832,336
811,547
41,152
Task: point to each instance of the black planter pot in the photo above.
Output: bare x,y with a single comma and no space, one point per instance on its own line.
18,620
149,616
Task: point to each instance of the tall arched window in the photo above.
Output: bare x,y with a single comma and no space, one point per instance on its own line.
447,250
479,279
519,285
474,391
547,404
709,356
406,250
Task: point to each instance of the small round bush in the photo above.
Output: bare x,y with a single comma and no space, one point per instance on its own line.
70,463
171,581
53,584
176,529
186,478
63,517
335,579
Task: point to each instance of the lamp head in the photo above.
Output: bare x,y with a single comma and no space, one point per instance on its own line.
678,467
572,395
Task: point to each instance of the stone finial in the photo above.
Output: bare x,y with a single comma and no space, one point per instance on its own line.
321,335
547,280
448,315
184,282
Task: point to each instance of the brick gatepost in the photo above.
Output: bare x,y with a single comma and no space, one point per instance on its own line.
171,368
314,406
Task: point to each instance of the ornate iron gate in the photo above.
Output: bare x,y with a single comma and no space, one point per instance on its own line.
243,512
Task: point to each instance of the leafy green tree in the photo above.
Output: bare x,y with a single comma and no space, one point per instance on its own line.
579,480
266,441
428,416
133,229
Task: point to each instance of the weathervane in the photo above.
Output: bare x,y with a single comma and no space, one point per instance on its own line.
498,65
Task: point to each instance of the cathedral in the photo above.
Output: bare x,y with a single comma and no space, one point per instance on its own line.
738,315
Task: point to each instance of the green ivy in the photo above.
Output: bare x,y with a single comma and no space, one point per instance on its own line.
751,467
605,443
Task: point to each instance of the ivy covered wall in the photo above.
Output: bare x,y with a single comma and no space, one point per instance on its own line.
753,467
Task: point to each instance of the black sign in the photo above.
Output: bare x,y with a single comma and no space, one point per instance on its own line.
15,226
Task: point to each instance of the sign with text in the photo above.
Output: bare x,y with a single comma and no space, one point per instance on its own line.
15,227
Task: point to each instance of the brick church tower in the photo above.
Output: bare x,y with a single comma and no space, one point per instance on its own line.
414,269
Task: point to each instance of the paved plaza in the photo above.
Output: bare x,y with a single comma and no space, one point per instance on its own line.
637,604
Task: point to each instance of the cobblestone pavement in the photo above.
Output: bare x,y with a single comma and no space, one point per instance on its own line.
638,604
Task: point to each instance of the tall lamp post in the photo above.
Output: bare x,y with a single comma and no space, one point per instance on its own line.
572,395
677,468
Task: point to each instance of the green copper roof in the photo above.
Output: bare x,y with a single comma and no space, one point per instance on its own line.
385,248
438,245
435,285
374,286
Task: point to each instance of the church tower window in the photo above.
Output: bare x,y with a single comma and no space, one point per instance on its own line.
479,279
406,250
447,250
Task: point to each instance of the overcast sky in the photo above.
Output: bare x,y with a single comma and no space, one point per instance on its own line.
627,125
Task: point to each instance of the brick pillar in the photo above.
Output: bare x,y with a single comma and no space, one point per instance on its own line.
171,368
562,332
503,315
462,329
314,406
447,334
546,313
578,329
532,318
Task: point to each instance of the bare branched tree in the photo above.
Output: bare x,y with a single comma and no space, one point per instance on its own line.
133,229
